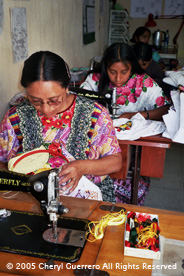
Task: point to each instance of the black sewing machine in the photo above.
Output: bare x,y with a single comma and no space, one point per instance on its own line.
44,187
108,99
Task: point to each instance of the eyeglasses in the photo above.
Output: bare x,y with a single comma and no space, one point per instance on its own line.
40,102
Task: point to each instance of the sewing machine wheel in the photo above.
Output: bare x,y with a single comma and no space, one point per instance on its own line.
66,237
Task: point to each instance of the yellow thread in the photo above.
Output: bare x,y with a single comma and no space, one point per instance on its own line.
110,219
146,235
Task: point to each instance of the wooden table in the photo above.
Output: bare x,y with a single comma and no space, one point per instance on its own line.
105,254
148,161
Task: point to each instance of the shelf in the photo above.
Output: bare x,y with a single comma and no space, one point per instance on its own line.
118,26
118,17
170,52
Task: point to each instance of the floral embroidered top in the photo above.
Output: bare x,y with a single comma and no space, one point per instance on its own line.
55,132
139,92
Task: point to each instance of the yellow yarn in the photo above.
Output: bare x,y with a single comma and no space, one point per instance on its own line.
146,234
110,219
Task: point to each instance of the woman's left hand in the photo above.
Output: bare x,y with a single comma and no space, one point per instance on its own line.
71,174
155,114
127,115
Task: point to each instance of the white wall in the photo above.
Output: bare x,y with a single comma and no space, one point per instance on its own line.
54,25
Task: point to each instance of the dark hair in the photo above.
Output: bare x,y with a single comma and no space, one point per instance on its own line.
138,32
117,52
46,66
143,51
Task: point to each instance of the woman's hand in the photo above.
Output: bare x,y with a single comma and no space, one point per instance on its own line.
155,114
127,115
73,171
70,173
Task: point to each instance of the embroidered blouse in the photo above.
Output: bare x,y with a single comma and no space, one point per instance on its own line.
101,141
139,92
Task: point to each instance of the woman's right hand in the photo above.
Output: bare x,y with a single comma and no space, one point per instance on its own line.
70,175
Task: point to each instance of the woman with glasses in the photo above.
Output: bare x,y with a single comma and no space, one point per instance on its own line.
52,117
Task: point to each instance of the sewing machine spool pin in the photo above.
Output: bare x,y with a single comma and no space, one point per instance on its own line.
55,207
114,103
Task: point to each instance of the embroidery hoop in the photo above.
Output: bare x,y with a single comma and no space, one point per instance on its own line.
52,152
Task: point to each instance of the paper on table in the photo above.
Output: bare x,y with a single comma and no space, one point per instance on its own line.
174,119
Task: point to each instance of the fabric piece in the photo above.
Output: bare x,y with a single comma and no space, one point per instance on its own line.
140,128
169,81
177,78
86,189
174,78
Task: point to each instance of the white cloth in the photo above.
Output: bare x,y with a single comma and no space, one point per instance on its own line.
174,119
174,78
85,189
140,128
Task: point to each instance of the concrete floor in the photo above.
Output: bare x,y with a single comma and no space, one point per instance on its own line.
168,192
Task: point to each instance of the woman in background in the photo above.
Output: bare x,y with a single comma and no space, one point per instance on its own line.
136,92
143,34
143,52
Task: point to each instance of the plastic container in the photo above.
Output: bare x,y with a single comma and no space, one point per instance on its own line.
141,253
166,43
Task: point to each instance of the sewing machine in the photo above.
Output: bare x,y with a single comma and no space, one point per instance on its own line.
107,99
44,187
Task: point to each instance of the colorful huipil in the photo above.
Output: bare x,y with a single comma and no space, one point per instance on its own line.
83,131
138,93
